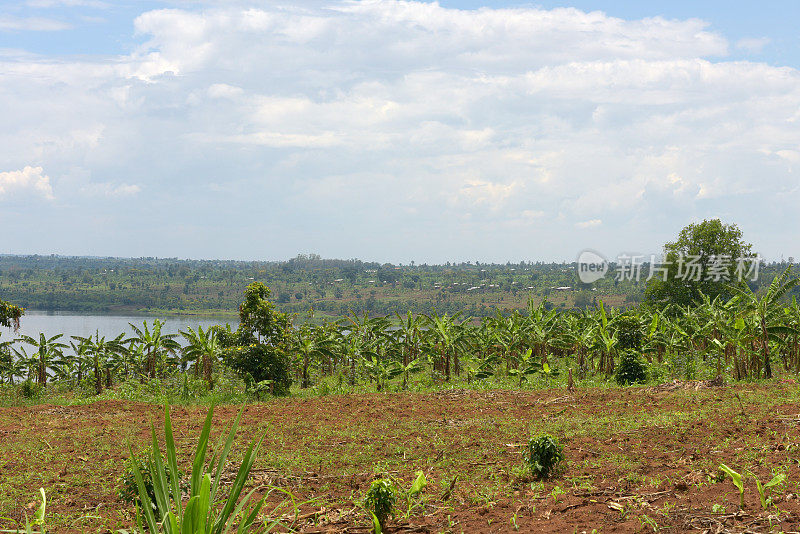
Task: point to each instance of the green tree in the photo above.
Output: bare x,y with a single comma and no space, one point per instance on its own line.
703,260
259,349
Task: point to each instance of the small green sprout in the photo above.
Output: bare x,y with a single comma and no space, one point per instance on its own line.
737,481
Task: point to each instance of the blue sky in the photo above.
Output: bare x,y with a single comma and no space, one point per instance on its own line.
107,26
394,130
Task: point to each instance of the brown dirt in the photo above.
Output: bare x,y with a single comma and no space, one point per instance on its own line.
637,459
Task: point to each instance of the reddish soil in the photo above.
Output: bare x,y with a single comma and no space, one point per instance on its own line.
638,460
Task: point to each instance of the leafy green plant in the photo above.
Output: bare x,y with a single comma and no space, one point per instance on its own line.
205,511
738,481
631,369
379,501
29,389
413,496
262,388
544,455
762,488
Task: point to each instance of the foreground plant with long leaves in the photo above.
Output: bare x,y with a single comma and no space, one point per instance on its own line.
38,519
205,511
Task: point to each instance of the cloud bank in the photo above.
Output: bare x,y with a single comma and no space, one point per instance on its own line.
405,130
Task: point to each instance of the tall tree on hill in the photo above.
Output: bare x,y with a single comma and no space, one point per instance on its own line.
705,259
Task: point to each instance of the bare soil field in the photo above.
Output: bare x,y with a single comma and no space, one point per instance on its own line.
637,459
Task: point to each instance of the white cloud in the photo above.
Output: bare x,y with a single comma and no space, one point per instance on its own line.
592,223
223,90
33,24
753,45
483,192
546,120
110,190
29,180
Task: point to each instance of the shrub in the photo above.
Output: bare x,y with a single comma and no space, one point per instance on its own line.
544,455
629,332
631,369
258,363
29,389
380,500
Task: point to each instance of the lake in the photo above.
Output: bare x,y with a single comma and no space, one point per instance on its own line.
110,326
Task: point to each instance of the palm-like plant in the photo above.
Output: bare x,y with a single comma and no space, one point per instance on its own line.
203,348
156,345
311,345
408,338
768,315
48,350
103,353
6,361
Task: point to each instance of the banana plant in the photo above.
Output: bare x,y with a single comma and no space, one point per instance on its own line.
767,312
48,350
528,365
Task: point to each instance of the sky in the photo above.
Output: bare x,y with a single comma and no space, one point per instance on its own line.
393,130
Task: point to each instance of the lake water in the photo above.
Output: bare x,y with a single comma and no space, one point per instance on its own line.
110,326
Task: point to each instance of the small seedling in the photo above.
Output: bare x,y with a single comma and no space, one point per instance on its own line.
556,493
379,501
762,488
737,481
413,497
544,455
648,521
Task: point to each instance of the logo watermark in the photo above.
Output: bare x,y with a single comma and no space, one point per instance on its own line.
593,266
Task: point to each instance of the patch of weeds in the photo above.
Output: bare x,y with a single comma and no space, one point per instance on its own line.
648,522
557,493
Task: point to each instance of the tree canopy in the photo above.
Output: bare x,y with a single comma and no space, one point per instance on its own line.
706,259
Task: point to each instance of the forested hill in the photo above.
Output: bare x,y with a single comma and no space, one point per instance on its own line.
332,287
